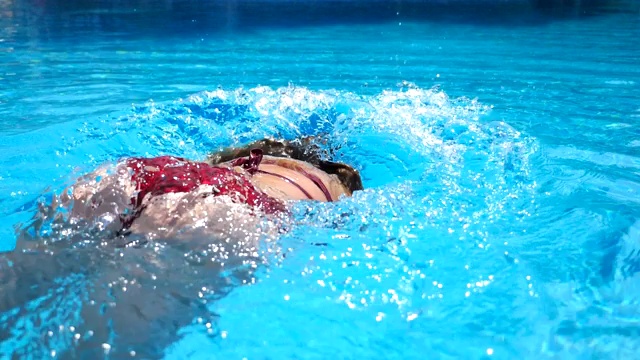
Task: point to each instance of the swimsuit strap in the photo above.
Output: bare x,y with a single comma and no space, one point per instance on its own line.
290,181
251,163
319,183
316,180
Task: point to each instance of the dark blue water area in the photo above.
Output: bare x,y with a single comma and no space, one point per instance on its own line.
206,18
498,143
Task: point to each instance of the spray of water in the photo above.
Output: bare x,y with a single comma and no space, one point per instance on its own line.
426,243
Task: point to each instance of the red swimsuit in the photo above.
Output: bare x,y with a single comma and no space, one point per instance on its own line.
168,174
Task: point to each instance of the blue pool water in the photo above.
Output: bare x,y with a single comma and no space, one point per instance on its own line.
498,142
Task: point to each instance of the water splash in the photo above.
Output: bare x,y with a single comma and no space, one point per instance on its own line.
426,244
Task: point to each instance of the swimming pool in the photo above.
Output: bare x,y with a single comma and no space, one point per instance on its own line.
498,145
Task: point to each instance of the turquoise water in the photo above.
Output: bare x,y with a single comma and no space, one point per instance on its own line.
498,146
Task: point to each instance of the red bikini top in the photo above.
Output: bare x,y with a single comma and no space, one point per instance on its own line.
168,174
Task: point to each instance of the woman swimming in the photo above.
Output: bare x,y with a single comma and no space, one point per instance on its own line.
169,196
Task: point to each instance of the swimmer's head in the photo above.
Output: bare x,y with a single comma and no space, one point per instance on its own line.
339,178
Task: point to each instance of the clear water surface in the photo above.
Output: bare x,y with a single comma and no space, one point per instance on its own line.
499,145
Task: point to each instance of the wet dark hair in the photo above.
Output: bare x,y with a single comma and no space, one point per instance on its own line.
304,149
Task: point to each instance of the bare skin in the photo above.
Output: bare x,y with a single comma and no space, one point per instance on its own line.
281,189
